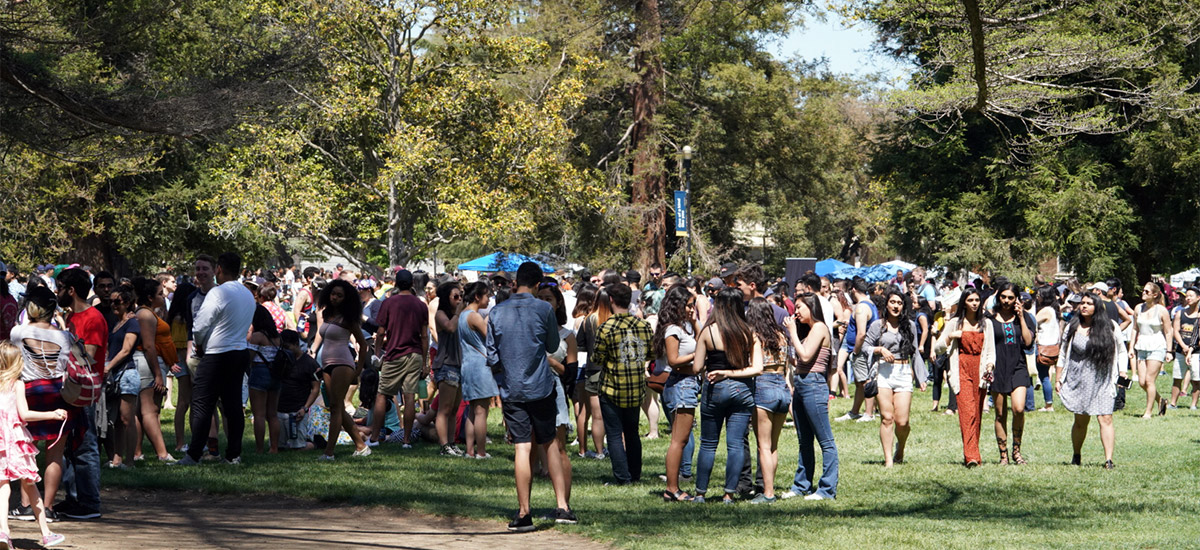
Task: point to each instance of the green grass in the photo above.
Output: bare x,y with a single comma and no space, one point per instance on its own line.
1149,501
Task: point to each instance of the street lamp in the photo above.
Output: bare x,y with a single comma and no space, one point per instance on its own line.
687,178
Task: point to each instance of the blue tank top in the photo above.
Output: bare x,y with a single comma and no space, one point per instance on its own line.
852,329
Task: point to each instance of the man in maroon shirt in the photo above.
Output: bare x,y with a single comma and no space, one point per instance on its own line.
81,477
403,339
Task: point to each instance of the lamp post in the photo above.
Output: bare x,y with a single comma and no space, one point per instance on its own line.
687,178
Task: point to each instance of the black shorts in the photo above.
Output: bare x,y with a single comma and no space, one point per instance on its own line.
532,420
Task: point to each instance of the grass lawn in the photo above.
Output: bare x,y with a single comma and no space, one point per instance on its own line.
1149,501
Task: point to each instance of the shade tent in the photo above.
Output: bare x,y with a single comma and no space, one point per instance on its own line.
873,274
501,261
1180,279
899,264
830,265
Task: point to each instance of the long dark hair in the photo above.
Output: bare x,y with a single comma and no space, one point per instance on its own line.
351,308
761,318
1100,336
182,302
264,323
475,290
1002,287
905,322
602,306
443,294
1047,297
672,313
560,305
729,316
961,314
585,295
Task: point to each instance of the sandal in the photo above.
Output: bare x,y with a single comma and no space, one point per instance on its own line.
1016,455
677,496
1004,457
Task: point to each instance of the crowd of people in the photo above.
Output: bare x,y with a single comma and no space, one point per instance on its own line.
573,362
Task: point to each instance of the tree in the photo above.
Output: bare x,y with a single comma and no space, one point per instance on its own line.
406,130
1040,70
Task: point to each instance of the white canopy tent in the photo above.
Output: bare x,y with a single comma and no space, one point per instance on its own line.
1185,277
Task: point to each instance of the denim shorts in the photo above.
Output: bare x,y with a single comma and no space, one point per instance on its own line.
448,374
1152,355
771,393
128,382
183,370
681,392
141,366
261,379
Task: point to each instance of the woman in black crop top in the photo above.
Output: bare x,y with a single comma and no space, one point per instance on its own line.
729,357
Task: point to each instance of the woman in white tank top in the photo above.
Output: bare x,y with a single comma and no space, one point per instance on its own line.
1048,336
1151,343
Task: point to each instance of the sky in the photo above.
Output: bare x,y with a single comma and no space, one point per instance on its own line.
848,49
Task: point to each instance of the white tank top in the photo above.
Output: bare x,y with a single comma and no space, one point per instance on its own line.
1150,330
1047,331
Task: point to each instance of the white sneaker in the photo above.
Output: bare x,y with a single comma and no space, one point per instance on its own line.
847,416
866,418
814,496
366,451
788,494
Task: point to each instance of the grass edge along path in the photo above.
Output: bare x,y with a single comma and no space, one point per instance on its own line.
1149,501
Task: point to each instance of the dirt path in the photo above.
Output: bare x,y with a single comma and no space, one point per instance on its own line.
170,520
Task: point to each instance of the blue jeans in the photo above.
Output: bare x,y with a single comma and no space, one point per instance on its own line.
626,456
729,402
682,395
1043,374
810,410
81,476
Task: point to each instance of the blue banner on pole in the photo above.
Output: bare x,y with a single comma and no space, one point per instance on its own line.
681,214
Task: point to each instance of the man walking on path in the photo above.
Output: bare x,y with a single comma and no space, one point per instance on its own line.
520,332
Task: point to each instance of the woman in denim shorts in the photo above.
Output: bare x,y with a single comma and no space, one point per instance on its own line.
675,347
772,393
122,340
891,343
264,386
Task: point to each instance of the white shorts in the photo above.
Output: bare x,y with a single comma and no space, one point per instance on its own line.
898,378
1193,365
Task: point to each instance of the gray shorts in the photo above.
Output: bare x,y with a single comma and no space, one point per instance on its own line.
860,367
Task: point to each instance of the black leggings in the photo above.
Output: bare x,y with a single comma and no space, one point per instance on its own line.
940,375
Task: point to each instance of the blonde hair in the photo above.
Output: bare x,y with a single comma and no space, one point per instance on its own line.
1157,296
38,313
11,364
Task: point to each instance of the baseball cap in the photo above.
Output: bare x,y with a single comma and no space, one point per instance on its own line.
501,275
1100,287
43,297
727,270
716,283
633,276
365,284
404,276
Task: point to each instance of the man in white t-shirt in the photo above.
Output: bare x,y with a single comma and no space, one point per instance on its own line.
219,337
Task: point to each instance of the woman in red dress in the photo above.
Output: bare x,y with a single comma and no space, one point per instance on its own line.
963,336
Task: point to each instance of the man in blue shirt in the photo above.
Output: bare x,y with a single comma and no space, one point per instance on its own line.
520,332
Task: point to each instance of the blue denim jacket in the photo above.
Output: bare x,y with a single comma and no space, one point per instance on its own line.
521,331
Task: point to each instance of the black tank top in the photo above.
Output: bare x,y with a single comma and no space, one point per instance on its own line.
715,360
1187,328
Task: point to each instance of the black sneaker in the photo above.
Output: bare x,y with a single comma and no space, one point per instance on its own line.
74,510
565,516
522,524
23,513
52,516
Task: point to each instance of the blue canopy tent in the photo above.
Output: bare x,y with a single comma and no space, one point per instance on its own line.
501,261
873,274
829,265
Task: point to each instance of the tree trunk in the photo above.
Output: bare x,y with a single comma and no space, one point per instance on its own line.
649,177
975,23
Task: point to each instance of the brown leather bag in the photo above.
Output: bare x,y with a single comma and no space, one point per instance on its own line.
1047,355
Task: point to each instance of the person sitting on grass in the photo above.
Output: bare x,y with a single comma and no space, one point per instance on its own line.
299,389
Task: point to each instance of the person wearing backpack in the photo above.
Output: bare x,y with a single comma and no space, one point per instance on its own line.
46,352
